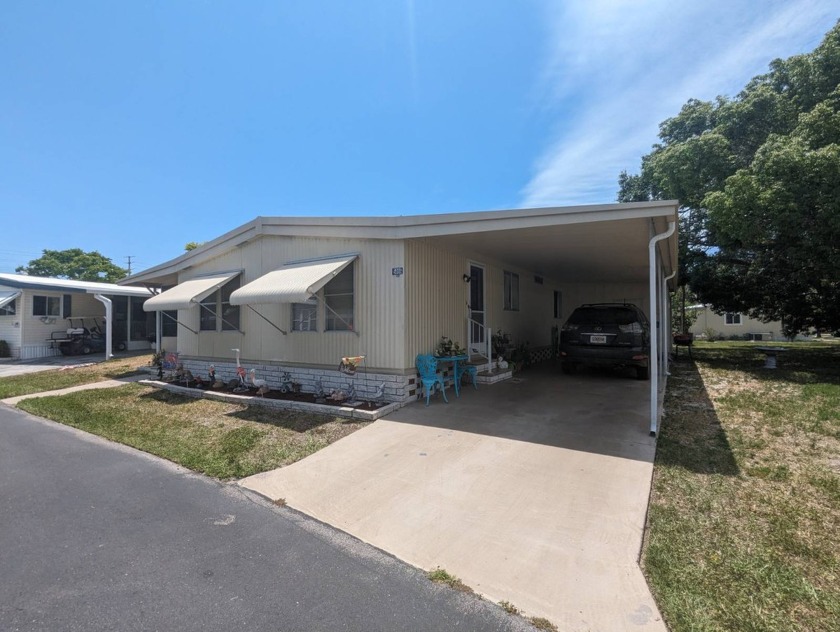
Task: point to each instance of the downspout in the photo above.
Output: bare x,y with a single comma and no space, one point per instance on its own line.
109,310
654,317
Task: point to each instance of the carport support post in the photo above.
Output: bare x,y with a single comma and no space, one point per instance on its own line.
109,322
158,330
653,270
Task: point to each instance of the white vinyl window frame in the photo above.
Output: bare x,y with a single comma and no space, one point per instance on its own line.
340,301
46,306
732,319
511,291
217,313
558,304
305,317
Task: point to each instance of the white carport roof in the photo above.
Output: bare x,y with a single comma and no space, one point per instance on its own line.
189,293
27,282
7,297
293,283
605,242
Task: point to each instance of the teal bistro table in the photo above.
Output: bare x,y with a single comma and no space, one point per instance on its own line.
457,370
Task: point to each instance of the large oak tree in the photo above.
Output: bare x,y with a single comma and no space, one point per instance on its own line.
75,264
758,180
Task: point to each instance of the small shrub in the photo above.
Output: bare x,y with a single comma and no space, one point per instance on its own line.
509,607
440,576
5,352
543,624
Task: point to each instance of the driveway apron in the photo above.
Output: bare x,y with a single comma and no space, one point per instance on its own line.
533,491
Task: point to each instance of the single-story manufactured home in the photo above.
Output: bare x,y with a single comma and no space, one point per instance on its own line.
37,312
711,325
299,294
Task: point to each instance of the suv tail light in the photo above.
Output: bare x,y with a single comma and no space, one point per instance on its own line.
570,327
632,328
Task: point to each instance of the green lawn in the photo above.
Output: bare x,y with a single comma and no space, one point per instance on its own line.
744,521
70,376
219,439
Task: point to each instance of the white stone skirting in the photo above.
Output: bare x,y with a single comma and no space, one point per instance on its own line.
365,383
398,388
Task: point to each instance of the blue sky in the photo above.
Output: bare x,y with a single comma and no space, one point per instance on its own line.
133,128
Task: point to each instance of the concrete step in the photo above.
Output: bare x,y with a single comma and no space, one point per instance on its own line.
496,375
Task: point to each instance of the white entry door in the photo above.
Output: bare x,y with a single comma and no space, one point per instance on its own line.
477,309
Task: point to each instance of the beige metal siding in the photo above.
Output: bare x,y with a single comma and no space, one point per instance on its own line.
378,306
710,322
36,331
87,305
532,322
436,300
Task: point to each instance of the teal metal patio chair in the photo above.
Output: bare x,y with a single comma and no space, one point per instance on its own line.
468,369
427,368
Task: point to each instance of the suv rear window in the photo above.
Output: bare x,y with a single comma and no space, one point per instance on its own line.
604,316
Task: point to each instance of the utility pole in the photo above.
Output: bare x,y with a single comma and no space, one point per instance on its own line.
129,258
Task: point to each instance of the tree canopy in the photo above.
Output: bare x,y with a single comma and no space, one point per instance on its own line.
74,264
758,180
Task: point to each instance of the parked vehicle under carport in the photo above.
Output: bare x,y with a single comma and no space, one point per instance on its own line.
606,334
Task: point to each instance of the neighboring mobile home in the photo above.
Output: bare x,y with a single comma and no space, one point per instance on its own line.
299,294
711,325
36,312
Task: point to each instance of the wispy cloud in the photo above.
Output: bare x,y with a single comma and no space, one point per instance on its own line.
616,69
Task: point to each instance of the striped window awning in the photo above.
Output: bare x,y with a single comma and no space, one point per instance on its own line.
189,293
293,283
7,297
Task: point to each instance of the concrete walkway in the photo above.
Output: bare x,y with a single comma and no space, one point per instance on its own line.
10,368
533,492
13,401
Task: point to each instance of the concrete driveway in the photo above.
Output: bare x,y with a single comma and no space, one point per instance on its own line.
533,492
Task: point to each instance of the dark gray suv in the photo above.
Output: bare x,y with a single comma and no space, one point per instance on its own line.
612,334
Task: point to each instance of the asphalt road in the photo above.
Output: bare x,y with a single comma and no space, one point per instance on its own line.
96,536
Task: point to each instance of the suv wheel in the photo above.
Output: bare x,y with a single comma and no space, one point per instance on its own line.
569,368
642,373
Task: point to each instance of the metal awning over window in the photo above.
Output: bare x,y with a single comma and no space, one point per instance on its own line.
7,297
189,293
293,283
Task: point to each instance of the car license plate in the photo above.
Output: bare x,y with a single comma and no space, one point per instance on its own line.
597,340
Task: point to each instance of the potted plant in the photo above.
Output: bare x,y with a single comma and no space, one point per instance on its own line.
447,348
500,342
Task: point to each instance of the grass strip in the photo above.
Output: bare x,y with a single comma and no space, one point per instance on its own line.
745,508
216,438
55,379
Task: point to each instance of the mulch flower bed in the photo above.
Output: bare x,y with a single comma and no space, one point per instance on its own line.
292,397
